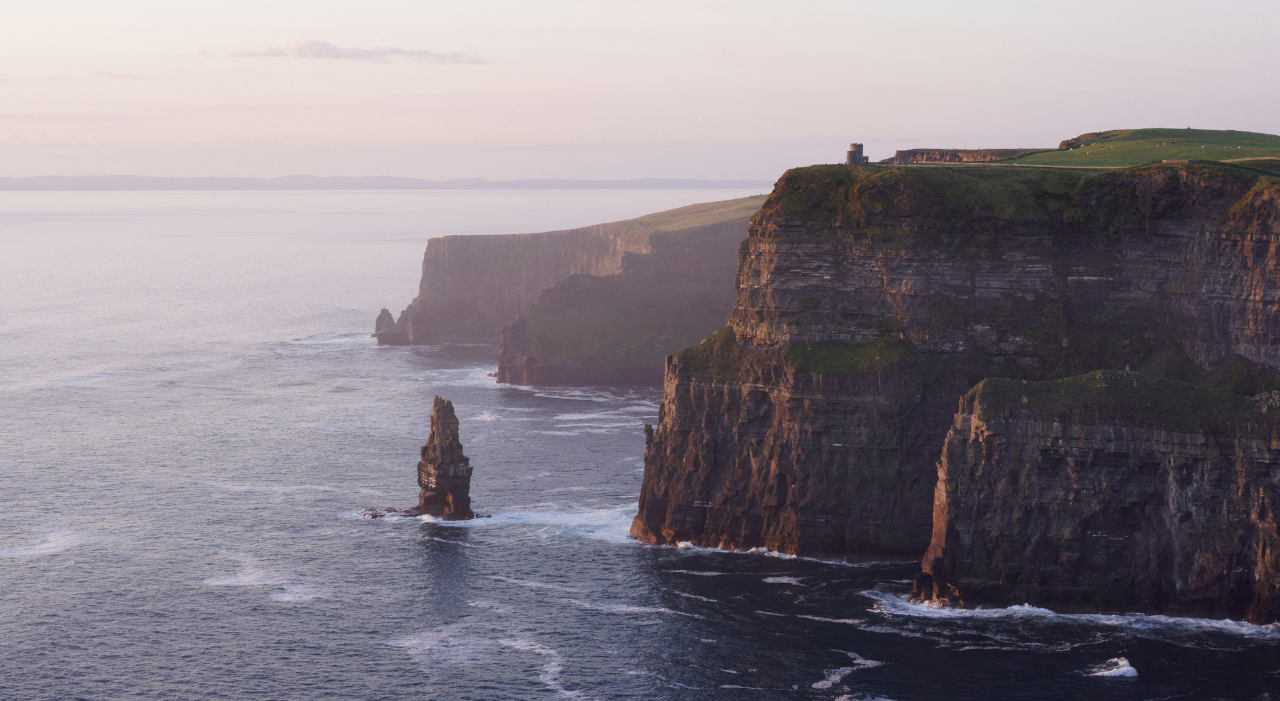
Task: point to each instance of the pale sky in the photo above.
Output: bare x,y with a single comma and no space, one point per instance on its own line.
568,89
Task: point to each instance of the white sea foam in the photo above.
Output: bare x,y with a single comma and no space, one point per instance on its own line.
473,640
897,604
252,574
835,676
53,543
698,573
1114,667
845,621
693,596
781,580
628,608
611,524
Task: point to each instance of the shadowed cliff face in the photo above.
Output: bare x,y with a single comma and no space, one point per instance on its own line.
617,329
1108,492
871,298
473,286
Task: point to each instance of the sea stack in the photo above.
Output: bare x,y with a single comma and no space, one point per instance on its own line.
444,473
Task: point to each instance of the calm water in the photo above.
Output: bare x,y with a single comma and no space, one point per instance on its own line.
191,415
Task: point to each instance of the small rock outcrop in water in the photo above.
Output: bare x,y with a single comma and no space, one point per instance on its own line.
1109,491
444,473
388,331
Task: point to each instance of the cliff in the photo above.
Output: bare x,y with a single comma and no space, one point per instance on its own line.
473,286
444,473
871,298
1109,491
617,329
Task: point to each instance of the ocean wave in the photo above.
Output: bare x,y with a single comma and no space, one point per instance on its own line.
1136,622
837,675
1114,667
52,544
781,580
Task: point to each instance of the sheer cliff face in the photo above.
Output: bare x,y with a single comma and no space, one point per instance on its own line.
1085,495
870,299
617,329
473,286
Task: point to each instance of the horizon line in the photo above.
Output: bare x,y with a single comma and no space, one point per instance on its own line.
148,183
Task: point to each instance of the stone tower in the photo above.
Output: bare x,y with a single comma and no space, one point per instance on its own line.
855,157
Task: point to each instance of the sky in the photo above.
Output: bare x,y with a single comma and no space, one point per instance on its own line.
604,89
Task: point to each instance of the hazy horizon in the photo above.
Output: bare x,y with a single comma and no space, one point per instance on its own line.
620,90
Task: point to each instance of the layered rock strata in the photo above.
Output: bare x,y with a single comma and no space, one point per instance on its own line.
1108,492
871,298
444,473
473,286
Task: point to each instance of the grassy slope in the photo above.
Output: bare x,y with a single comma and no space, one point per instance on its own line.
1127,147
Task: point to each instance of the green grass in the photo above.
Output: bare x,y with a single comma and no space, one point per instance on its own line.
1129,147
850,358
718,357
982,199
1107,397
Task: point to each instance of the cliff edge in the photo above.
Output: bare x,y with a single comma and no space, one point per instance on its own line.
473,286
869,299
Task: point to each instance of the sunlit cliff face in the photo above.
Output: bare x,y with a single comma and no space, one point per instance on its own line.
563,89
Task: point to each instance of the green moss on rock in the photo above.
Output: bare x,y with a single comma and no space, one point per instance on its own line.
1109,397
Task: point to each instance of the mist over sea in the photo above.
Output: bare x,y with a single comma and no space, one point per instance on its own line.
192,414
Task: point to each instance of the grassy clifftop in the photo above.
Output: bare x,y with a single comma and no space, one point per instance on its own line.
1130,147
961,197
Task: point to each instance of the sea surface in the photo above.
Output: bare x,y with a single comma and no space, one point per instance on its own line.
192,416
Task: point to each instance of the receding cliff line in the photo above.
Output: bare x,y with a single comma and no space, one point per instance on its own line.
871,298
617,329
473,286
1108,492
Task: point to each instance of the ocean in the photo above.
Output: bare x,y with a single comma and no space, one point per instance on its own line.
192,415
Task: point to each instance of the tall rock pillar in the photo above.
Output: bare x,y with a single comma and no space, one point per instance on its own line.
444,473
